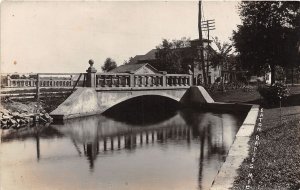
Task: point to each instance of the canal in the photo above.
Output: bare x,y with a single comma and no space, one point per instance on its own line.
146,143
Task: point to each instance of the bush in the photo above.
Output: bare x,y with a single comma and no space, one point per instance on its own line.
248,88
274,93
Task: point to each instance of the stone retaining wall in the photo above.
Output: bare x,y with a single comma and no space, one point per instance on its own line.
238,151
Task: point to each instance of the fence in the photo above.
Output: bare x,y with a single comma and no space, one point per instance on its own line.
25,85
54,80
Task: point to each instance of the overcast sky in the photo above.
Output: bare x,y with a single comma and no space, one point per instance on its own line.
60,36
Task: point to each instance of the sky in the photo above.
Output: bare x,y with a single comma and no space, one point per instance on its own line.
61,36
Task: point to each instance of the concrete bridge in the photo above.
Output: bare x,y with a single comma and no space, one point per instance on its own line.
105,90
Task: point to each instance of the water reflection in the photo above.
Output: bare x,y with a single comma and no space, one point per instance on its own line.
185,135
143,110
213,132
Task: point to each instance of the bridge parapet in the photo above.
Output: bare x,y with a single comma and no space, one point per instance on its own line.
142,80
53,80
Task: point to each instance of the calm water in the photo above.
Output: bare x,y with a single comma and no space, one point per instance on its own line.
181,150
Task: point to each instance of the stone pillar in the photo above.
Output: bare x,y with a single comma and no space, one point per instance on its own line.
38,87
91,75
158,81
112,80
175,81
118,81
132,81
141,80
146,80
164,78
191,80
104,81
31,82
71,80
8,81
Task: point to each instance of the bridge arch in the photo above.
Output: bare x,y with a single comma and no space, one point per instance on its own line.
90,101
119,101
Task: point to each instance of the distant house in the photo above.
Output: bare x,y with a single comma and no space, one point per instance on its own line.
267,78
138,68
149,57
189,56
264,79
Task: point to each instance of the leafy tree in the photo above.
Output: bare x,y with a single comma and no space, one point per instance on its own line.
109,64
222,56
268,35
173,56
126,62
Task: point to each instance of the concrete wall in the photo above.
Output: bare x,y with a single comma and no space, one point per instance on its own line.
83,101
238,151
90,101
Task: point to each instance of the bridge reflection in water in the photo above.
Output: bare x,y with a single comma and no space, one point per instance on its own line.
212,132
159,155
134,140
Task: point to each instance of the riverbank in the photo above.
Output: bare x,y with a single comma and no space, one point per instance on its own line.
277,164
25,112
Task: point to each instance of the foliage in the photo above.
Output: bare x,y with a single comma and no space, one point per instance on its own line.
172,56
274,93
126,62
268,35
222,56
15,76
109,64
279,73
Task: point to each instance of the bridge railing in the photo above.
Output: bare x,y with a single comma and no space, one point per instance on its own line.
94,79
53,80
179,80
142,80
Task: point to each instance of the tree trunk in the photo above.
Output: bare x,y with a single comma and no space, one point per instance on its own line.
207,70
272,74
292,76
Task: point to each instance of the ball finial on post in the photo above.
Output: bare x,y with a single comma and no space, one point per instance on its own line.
91,62
91,75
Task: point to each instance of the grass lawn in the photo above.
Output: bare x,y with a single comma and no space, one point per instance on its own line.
277,164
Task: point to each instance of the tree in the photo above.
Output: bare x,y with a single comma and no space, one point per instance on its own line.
126,62
173,56
222,56
109,64
268,35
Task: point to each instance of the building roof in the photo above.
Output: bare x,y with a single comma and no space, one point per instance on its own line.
140,58
131,68
186,52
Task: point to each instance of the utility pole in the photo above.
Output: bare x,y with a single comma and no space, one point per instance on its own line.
200,47
208,25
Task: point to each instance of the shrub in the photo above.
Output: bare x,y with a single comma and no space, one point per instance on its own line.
274,93
248,88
